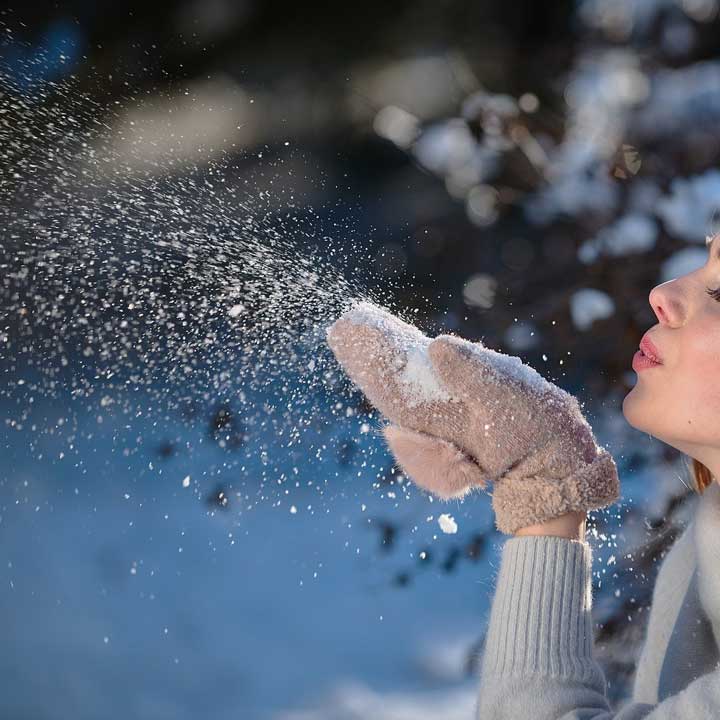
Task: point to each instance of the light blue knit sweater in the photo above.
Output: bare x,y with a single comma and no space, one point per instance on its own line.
538,659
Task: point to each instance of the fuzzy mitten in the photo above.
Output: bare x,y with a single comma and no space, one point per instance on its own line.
463,415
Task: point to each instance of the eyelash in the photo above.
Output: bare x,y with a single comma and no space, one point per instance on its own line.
715,294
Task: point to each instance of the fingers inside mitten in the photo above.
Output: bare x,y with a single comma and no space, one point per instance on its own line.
470,369
434,464
387,359
364,350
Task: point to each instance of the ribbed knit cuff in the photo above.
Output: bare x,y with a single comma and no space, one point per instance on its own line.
541,621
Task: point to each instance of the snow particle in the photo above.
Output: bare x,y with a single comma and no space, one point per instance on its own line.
447,524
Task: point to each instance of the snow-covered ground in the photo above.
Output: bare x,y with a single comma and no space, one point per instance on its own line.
125,594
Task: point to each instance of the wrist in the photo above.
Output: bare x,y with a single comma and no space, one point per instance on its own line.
570,525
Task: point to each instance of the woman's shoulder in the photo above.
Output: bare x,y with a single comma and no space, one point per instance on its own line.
679,562
706,544
695,533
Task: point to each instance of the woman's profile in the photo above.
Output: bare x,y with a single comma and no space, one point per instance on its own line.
462,417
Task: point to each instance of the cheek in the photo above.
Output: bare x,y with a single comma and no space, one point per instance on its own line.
686,395
699,354
698,383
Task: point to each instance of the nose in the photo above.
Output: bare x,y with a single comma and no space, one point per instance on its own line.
667,307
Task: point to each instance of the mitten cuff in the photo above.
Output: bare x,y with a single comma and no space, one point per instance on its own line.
522,501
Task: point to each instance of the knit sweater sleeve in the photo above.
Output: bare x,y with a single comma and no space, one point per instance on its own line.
538,659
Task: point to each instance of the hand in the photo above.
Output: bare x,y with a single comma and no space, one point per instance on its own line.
571,526
464,416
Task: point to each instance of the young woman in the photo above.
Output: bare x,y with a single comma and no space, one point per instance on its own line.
463,416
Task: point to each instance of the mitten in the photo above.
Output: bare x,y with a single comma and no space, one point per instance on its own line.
464,416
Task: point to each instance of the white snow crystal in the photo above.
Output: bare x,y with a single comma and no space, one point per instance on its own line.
608,14
445,145
235,310
447,524
572,194
510,366
186,481
633,233
682,262
690,209
588,305
397,125
418,375
684,97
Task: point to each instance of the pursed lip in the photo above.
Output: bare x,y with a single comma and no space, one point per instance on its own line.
650,350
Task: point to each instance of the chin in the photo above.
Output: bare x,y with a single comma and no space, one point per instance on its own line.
631,414
643,421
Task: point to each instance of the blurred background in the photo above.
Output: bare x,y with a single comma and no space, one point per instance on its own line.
198,516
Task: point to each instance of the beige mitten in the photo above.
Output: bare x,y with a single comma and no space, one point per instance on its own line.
464,416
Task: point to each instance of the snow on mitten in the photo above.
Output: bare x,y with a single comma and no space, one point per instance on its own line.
464,415
388,360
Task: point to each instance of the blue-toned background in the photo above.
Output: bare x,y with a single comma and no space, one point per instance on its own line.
198,517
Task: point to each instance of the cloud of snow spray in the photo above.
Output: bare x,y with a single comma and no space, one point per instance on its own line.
127,281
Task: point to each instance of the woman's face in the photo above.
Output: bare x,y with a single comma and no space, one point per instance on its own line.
678,402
